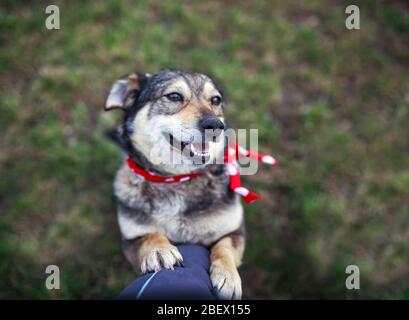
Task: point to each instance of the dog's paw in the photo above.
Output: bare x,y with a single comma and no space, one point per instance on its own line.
226,281
161,258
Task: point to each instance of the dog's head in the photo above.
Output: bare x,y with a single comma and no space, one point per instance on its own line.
173,118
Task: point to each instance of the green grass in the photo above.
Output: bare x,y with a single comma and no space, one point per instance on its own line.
331,104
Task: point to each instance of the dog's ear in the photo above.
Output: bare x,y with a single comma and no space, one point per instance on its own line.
125,91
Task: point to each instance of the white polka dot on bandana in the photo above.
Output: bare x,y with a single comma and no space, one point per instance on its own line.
184,179
242,150
268,159
232,169
242,191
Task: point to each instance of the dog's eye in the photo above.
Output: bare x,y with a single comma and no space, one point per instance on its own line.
215,100
174,96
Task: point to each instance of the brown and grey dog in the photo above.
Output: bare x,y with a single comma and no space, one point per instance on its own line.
153,217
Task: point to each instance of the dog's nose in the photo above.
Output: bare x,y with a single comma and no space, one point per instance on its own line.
211,124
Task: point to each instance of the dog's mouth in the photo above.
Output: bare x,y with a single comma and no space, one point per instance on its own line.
196,150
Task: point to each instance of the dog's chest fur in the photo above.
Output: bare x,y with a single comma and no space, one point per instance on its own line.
201,210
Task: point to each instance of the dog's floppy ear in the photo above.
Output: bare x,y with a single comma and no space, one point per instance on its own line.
125,91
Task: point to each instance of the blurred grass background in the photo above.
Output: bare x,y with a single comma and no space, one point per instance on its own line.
331,104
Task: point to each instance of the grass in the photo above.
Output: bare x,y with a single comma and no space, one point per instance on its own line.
331,104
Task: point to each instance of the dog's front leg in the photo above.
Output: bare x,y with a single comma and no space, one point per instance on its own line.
152,252
225,256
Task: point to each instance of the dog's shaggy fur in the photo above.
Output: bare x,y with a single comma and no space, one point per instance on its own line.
154,216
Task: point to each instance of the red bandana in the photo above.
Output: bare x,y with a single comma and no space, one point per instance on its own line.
230,157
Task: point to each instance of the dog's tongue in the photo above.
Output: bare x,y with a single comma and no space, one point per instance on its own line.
200,147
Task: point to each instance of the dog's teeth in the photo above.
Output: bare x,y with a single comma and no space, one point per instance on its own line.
199,153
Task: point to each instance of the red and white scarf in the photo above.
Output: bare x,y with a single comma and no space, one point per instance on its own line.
231,155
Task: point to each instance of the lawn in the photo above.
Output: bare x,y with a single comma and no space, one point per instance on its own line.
331,104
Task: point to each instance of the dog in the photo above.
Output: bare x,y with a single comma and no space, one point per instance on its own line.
154,217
